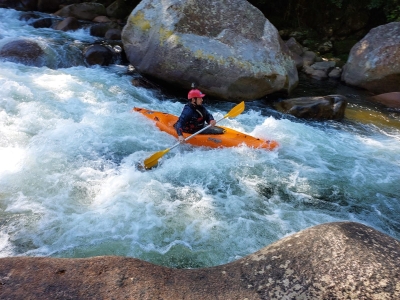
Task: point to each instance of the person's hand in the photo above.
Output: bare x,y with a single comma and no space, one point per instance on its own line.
181,139
213,122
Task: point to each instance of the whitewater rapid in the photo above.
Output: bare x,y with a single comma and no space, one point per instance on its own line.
69,185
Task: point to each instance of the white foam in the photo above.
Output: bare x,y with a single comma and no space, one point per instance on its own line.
69,186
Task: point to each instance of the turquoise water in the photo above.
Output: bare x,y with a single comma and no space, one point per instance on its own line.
69,186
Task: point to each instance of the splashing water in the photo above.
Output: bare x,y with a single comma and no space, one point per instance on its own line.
69,187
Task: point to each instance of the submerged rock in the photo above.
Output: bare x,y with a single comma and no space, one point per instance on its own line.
228,48
23,51
98,55
342,260
391,100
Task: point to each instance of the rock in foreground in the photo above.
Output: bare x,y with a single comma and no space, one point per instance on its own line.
343,260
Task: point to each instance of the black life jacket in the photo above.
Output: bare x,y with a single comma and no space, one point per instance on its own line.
197,119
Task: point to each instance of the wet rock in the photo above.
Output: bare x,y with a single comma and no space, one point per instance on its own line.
98,55
319,70
113,34
100,29
294,46
68,24
298,60
82,11
101,19
27,16
374,62
23,51
228,48
331,107
335,73
391,100
44,23
309,58
325,66
295,51
342,260
315,74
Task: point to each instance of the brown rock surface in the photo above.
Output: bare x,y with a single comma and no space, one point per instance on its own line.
342,260
82,11
330,107
391,100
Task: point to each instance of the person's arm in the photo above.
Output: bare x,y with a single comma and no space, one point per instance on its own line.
209,118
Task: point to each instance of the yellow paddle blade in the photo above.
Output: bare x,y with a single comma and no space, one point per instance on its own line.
237,110
153,160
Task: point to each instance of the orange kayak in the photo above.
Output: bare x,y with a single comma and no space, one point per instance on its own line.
230,138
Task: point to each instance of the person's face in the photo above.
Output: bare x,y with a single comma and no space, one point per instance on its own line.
198,101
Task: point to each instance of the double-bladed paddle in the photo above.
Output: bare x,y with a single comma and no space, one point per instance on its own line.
153,160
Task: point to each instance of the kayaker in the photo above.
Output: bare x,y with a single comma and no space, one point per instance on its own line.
193,116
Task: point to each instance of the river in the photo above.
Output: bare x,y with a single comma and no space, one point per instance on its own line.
69,185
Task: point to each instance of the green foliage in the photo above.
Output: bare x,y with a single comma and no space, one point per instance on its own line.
392,10
338,3
375,4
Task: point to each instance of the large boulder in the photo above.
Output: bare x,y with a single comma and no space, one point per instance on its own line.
342,260
374,62
228,48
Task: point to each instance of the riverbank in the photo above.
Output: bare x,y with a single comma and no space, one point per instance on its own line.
336,260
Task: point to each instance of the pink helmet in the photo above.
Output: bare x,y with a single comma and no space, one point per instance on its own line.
195,94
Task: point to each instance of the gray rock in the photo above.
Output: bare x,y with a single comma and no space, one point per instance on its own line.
309,58
336,73
342,260
315,74
374,62
324,65
294,46
227,47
